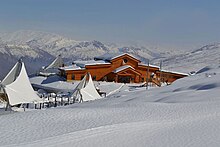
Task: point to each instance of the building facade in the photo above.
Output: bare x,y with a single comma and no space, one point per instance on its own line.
124,68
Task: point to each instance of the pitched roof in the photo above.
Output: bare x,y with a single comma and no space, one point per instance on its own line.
144,64
82,64
174,72
71,67
122,68
111,56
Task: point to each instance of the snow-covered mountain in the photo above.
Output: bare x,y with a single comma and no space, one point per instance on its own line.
39,48
68,48
195,59
33,57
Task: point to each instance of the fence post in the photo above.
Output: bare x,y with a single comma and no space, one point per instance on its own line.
147,79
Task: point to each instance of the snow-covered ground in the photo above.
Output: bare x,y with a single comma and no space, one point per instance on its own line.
186,113
55,82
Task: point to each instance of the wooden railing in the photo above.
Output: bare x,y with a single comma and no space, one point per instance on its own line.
155,81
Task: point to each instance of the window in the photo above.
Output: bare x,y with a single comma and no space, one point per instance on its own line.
142,80
94,78
125,60
73,77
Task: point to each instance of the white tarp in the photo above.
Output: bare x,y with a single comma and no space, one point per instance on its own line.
81,85
89,92
20,90
58,62
11,76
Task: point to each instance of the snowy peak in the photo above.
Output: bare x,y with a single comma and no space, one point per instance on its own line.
96,44
23,36
71,49
207,48
194,60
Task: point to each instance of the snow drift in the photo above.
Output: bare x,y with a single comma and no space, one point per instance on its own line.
186,113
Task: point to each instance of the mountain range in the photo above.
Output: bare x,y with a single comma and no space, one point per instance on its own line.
37,49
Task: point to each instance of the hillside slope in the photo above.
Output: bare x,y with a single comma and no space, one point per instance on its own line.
186,113
195,59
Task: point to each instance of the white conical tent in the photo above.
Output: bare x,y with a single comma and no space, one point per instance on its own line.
58,62
82,83
19,89
11,76
89,92
77,93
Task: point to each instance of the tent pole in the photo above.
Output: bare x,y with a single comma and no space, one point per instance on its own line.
24,107
81,99
74,99
55,101
61,100
7,106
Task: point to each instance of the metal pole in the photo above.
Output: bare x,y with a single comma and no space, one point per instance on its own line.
55,101
147,79
161,62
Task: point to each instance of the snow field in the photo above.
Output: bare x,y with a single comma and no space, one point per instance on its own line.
186,113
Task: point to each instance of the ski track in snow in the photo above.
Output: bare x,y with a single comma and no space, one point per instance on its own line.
136,133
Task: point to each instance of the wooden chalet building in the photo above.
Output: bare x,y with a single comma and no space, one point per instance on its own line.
124,68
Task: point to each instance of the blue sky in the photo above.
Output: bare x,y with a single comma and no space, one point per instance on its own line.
178,23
